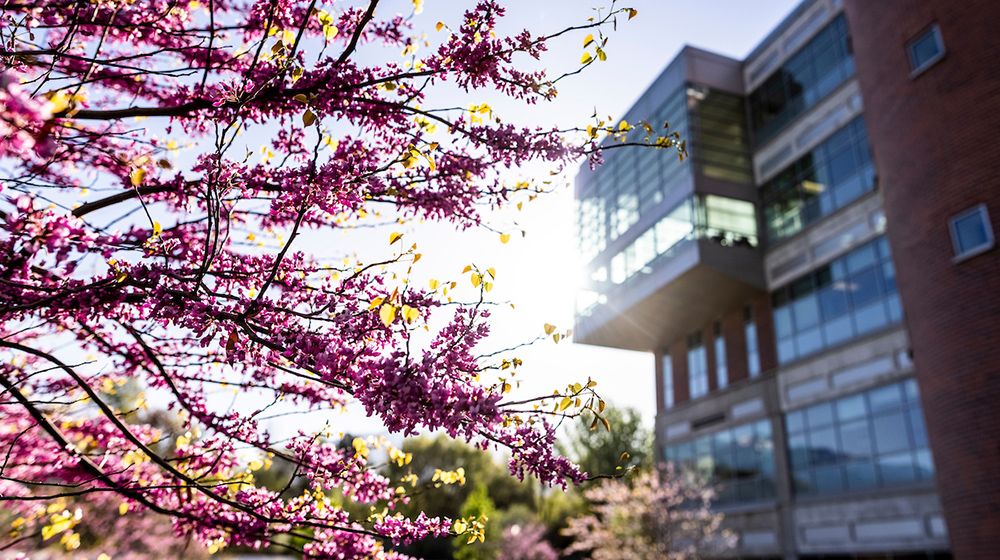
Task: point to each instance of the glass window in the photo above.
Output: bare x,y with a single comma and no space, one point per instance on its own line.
738,461
971,232
819,67
832,175
868,440
668,381
721,369
697,367
753,350
849,297
926,49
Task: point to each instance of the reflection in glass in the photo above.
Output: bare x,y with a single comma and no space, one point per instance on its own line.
873,439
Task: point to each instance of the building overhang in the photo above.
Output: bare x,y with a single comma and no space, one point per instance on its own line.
699,283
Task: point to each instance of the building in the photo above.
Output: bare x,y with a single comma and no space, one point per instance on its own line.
818,281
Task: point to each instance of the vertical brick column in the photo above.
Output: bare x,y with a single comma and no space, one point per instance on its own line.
934,138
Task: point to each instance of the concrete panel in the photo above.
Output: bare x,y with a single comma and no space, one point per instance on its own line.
863,371
677,430
833,534
747,408
807,389
881,531
759,539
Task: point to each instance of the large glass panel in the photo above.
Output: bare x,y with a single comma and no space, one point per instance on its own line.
832,175
868,440
668,381
697,367
822,64
721,368
835,303
739,462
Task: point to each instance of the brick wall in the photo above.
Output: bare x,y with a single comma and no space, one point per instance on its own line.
934,138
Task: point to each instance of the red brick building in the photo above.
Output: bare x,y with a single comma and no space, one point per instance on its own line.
818,281
933,132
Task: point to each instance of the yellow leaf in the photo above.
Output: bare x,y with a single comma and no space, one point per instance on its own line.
123,509
416,257
301,98
157,228
577,387
476,280
387,314
591,384
565,403
586,58
410,314
556,338
163,164
464,270
632,13
600,406
376,302
607,426
488,286
439,26
137,176
493,272
434,284
588,40
601,54
505,237
624,456
623,125
394,237
308,118
549,329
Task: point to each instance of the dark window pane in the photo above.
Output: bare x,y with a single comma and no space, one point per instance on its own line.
833,301
798,451
842,166
795,421
838,330
970,232
890,433
855,439
860,474
851,408
823,447
860,259
896,469
802,482
828,480
886,398
864,287
871,317
819,416
925,48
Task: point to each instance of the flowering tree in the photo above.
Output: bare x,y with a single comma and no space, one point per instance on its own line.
655,516
160,252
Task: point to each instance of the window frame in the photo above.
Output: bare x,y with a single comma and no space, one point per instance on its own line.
984,216
935,31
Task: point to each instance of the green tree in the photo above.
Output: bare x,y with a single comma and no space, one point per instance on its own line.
606,452
480,506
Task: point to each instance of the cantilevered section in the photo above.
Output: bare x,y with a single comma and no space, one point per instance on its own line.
670,244
700,280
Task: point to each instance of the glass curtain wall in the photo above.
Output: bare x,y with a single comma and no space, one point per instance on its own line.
874,439
720,145
697,367
817,69
850,297
739,462
832,175
631,182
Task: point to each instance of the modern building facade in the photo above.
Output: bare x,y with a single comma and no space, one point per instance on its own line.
818,281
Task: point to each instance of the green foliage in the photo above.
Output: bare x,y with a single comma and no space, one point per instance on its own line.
603,452
479,505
